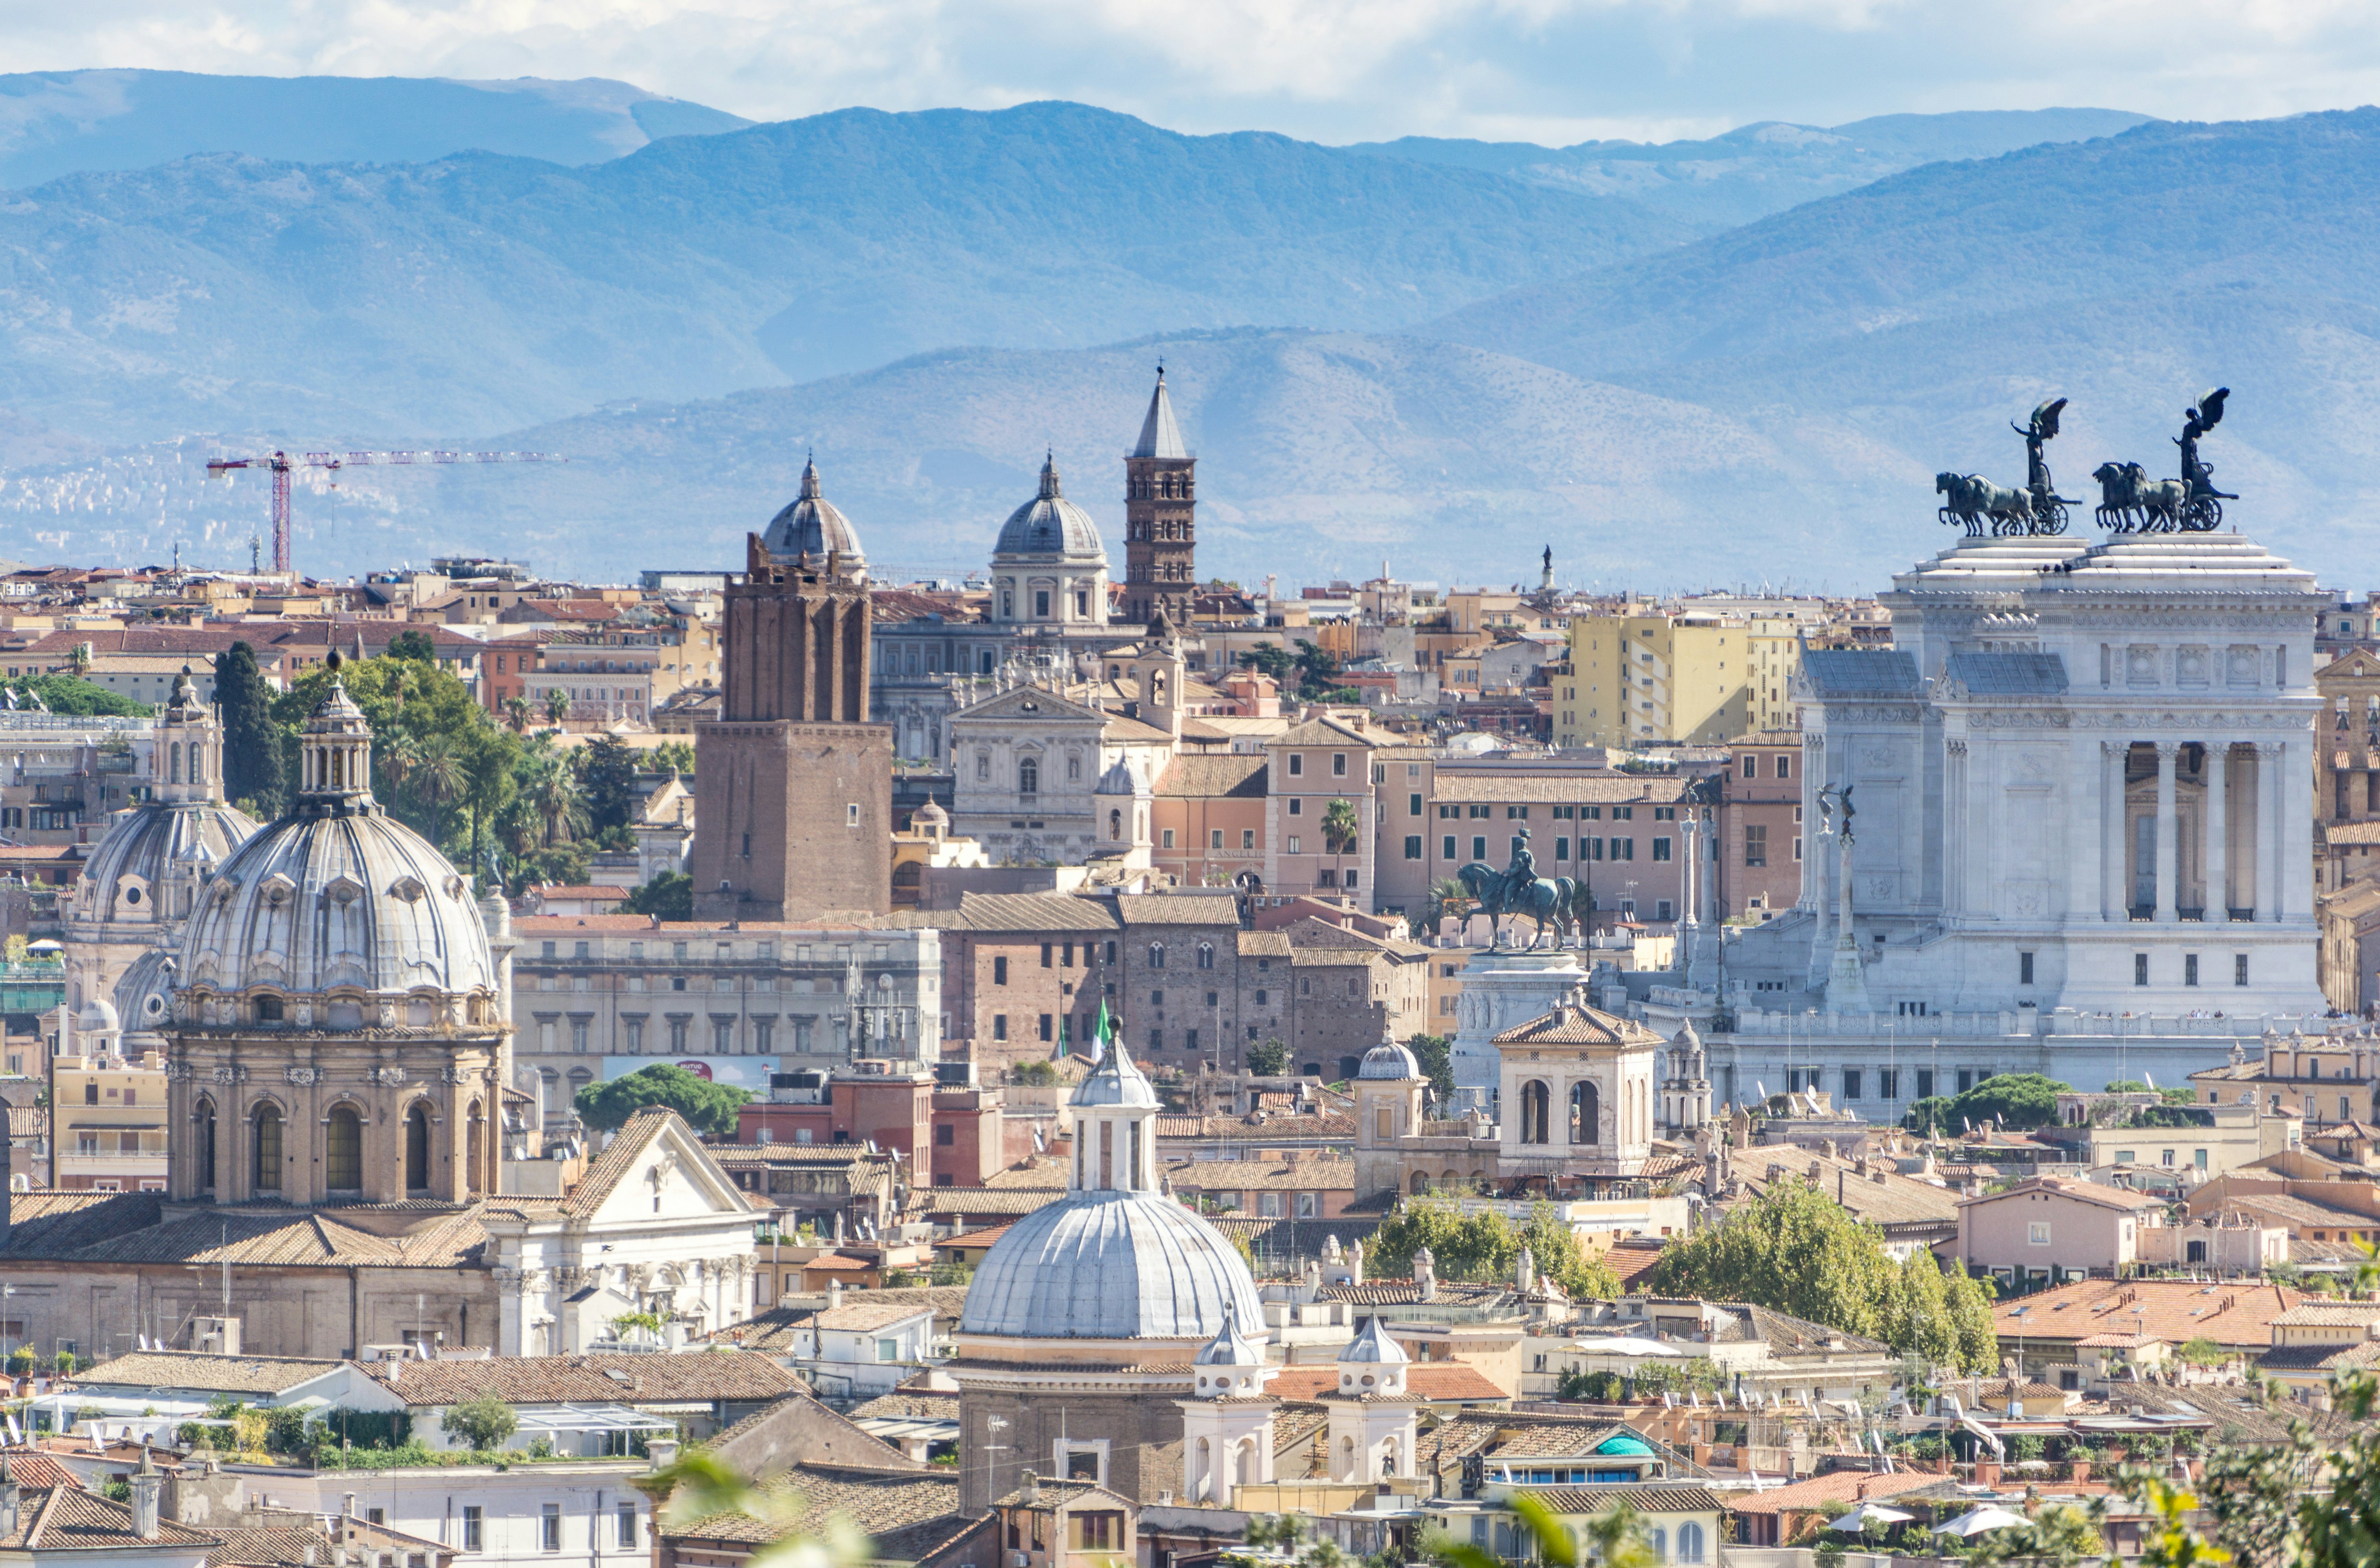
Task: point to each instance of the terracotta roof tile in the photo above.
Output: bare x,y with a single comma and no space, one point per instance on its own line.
652,1378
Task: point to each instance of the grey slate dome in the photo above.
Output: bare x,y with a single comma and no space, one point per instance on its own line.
1109,1265
1389,1061
340,897
153,855
812,525
1051,527
1114,1260
144,996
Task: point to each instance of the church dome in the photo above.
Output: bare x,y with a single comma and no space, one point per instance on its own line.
338,904
1109,1265
812,525
145,993
1051,527
1115,1259
152,852
1389,1061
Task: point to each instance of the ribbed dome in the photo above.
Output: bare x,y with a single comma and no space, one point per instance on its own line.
1115,1081
144,996
1389,1061
1109,1265
1051,527
313,903
340,896
811,526
153,850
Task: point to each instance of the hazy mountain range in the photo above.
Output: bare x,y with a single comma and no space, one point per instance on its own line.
1449,354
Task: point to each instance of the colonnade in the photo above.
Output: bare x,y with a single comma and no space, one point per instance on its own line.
2243,787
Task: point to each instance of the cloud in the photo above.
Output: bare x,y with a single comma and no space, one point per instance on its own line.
1335,70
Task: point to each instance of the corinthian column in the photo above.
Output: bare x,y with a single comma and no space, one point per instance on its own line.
2218,834
2167,837
2269,831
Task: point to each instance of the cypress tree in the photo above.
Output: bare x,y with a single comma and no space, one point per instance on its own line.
251,751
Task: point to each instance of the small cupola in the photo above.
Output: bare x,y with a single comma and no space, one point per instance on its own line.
335,753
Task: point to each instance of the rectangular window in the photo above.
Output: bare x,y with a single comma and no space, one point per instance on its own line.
2024,969
1338,764
1784,767
1247,838
1924,1083
1887,1083
2140,968
1480,847
1000,1026
1046,1029
1623,849
1215,838
2036,1233
1046,953
1296,765
1852,1082
549,1527
1413,847
1756,843
1412,805
471,1524
2190,969
1752,766
1562,849
2239,968
1447,851
1169,839
1293,849
999,971
1661,849
1966,1079
628,1517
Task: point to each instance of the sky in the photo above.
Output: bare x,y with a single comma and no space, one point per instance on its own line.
1554,71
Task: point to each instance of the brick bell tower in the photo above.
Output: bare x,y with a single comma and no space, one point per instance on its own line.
793,814
1159,518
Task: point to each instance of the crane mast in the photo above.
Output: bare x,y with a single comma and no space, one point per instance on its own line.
279,465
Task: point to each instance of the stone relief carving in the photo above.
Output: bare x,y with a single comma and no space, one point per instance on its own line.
304,1078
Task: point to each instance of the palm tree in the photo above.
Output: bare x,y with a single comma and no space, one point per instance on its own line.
517,711
554,795
438,776
1340,828
398,758
1446,895
557,707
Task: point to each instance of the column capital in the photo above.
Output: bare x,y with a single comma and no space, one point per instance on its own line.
2269,747
2115,748
2168,750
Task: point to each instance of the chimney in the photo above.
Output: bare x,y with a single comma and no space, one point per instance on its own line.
834,1294
1032,1487
146,1483
662,1451
347,1510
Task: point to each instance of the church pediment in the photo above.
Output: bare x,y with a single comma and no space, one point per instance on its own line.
653,1173
1028,704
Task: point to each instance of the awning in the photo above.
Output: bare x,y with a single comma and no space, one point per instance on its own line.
537,1418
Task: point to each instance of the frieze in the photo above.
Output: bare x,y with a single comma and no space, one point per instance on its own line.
181,1071
230,1074
304,1078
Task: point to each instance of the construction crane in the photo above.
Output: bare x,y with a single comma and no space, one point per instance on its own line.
281,463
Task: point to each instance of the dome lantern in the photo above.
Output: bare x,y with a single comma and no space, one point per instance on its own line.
335,753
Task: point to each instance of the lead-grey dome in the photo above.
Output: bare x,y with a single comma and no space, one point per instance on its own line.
812,525
155,854
1051,528
338,904
144,996
1389,1061
1109,1265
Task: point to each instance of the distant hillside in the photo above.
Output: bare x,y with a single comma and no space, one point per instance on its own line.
56,123
1926,311
1318,452
479,293
1758,169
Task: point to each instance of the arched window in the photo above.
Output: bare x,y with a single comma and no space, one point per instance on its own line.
198,763
1246,1467
1116,827
1658,1540
1690,1542
1028,777
1206,956
267,1174
342,1152
1585,1115
417,1149
1420,1183
174,774
1157,955
1535,1107
205,1116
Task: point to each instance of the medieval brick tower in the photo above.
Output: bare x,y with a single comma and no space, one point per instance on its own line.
793,786
1159,518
